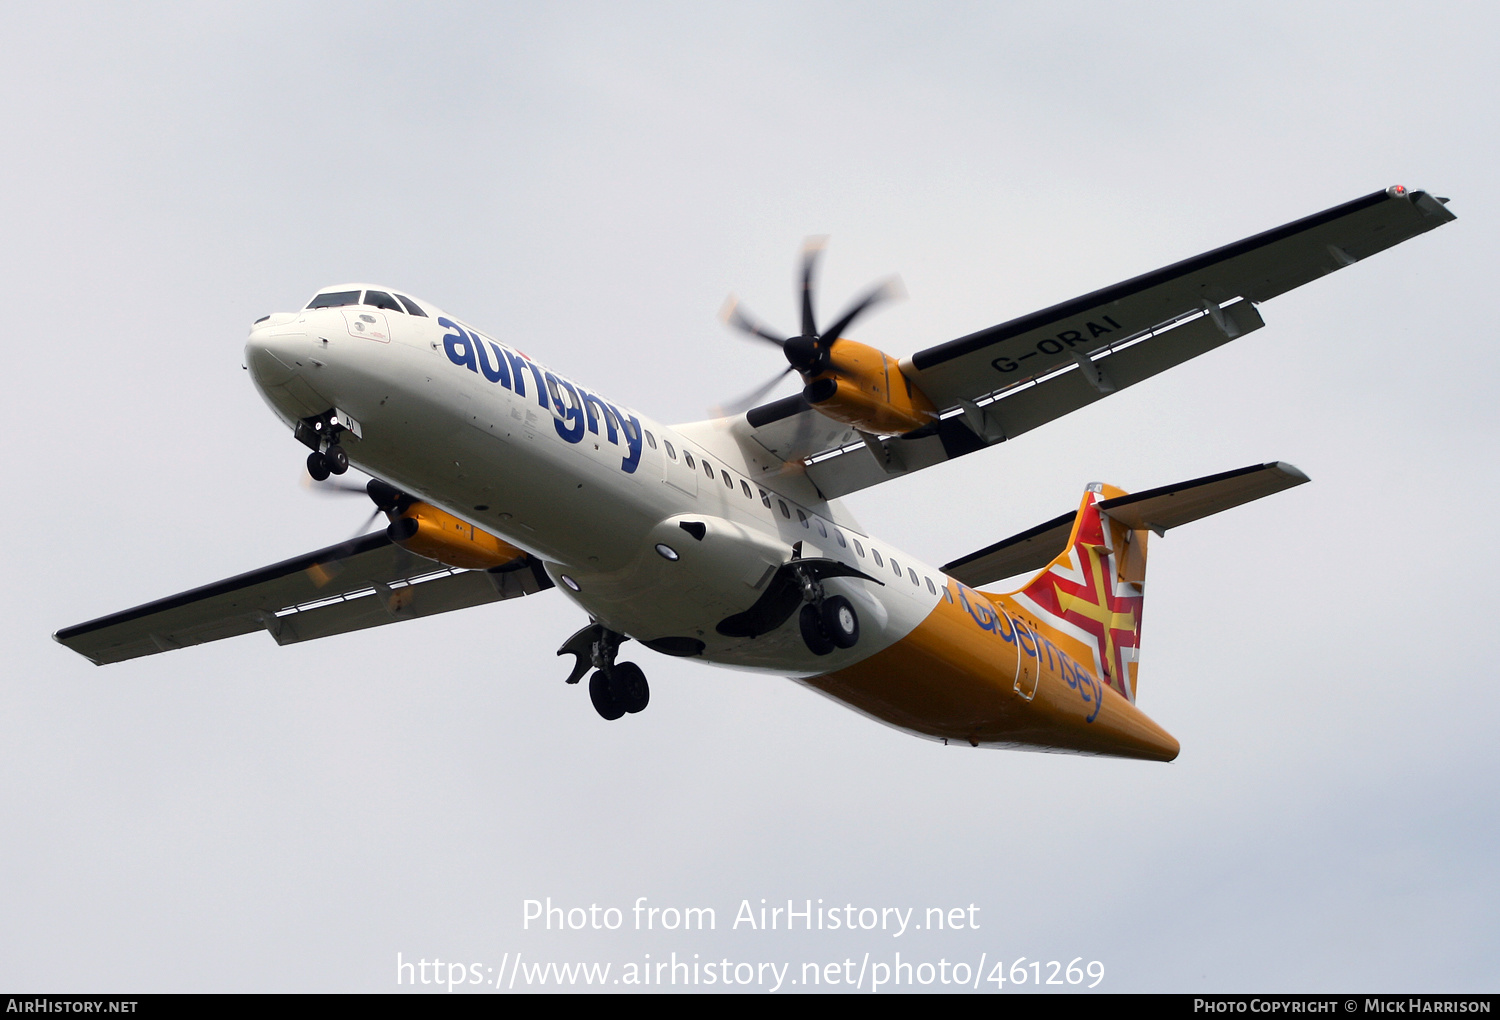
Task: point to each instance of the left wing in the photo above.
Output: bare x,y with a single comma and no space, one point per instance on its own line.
1000,382
368,582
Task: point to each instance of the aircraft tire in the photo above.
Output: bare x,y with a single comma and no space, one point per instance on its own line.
840,621
602,697
811,622
628,687
317,466
338,460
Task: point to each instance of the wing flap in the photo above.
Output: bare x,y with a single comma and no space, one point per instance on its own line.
350,586
1255,269
1070,386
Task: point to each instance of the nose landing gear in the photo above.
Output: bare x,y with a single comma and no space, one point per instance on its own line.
321,433
616,688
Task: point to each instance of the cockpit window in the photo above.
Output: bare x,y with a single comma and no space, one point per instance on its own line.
380,299
335,299
411,306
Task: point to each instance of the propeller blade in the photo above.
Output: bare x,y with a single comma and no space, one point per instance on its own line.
811,249
733,315
752,398
889,290
332,486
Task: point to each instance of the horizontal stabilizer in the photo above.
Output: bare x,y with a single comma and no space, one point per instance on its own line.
1174,505
1154,509
362,583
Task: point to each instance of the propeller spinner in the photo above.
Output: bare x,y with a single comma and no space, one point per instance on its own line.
808,353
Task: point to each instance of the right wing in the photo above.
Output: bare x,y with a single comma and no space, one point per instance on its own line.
995,384
367,582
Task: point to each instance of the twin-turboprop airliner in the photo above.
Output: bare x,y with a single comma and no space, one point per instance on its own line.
726,540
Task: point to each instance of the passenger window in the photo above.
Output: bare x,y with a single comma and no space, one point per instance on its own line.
745,488
670,452
840,536
728,482
765,498
688,458
821,530
895,566
911,573
650,440
859,548
948,593
411,306
335,299
784,511
380,299
708,469
876,553
802,517
931,588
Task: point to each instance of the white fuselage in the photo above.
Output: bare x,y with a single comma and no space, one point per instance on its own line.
587,486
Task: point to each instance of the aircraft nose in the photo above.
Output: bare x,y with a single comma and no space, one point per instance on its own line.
272,353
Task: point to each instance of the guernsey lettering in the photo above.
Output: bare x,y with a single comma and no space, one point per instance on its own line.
1058,343
1035,646
574,409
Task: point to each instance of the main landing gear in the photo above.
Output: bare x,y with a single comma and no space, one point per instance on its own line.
616,688
826,621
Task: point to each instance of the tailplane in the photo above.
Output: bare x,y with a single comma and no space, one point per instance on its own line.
1091,587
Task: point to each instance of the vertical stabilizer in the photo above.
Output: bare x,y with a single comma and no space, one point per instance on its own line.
1092,591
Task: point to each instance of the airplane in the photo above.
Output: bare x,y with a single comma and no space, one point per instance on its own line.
727,540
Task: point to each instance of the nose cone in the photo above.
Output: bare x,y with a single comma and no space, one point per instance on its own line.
272,353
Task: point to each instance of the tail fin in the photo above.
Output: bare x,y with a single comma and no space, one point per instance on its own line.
1092,590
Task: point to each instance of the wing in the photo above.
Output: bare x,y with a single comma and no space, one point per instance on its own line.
995,384
1155,509
364,583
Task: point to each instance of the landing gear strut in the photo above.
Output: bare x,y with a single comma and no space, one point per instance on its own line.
616,688
826,621
321,433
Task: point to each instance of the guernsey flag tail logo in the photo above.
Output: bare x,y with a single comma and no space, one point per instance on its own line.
1093,591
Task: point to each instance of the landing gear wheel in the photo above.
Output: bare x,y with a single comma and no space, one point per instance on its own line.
601,694
840,622
627,684
811,622
317,466
337,459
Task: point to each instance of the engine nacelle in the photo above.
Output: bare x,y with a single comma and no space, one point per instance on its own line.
436,534
866,388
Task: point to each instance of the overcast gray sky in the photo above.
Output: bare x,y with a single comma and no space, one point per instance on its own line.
588,181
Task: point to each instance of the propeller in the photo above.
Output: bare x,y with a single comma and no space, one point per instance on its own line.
809,352
387,498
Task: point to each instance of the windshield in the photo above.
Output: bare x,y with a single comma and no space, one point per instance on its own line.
334,299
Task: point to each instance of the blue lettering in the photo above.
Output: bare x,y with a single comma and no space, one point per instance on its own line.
572,413
605,411
631,426
1026,637
541,384
1098,700
1009,634
517,365
500,373
460,350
